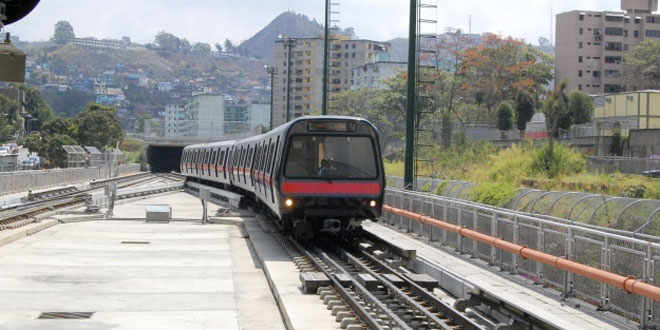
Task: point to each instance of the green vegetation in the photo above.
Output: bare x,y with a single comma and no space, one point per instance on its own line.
96,126
498,173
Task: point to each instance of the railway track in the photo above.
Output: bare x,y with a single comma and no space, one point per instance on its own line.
370,288
51,200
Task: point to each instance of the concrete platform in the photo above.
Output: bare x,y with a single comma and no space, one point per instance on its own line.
540,306
188,276
299,310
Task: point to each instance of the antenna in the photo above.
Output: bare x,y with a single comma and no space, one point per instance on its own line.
470,24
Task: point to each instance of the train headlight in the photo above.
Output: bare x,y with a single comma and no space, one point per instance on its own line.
288,202
373,203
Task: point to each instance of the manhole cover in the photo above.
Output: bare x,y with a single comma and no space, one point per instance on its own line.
135,242
66,315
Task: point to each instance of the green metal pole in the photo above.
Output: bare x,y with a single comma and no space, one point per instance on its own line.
324,107
411,113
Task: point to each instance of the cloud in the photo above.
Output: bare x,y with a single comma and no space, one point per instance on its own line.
213,21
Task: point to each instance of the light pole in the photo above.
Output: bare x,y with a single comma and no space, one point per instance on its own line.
289,42
271,72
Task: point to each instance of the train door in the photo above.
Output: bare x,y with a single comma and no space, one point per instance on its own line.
272,169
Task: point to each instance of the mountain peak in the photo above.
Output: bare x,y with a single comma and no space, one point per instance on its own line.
288,23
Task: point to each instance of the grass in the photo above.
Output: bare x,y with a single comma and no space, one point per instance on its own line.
498,172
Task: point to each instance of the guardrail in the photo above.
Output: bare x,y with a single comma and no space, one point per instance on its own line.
606,251
12,182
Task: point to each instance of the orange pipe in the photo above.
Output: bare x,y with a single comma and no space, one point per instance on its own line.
628,284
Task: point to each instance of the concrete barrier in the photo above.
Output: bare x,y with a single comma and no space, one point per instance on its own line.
13,182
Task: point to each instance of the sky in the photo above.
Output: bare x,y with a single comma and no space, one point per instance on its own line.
216,20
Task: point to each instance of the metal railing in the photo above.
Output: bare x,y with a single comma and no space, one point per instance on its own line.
609,251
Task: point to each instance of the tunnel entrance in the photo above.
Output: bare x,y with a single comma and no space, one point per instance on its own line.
164,158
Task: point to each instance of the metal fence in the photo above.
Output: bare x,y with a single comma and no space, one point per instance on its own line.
621,215
12,182
609,251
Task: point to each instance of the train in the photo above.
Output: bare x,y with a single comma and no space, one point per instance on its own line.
311,175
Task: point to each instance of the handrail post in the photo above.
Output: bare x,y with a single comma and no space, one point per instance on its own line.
475,247
493,232
434,215
540,238
445,212
647,304
459,238
605,265
569,277
516,233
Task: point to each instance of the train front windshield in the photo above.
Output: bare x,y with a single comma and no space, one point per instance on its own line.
331,157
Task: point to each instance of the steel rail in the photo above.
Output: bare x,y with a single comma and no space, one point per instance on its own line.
406,299
360,311
429,297
398,322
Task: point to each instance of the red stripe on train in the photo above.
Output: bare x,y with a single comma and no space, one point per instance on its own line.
332,188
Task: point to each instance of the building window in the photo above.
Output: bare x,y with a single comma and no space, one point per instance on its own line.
613,59
579,73
346,46
625,47
353,55
614,46
596,74
636,34
638,20
580,44
581,31
613,31
614,18
353,46
579,59
653,33
582,17
652,19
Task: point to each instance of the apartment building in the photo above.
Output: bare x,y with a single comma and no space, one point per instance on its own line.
298,79
591,45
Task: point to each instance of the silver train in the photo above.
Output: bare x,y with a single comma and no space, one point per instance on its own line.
313,174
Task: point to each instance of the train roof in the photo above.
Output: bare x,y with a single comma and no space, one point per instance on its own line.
282,128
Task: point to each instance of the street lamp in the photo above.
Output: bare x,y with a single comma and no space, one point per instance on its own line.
289,43
271,71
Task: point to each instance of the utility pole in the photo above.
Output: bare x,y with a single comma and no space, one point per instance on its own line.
412,102
324,108
289,43
271,72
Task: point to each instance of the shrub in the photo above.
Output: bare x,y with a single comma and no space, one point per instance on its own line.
440,187
494,193
563,161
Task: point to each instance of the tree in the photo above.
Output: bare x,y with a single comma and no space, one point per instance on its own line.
229,47
36,105
643,66
63,32
218,47
554,108
99,126
168,42
201,49
499,69
504,117
581,107
524,111
54,150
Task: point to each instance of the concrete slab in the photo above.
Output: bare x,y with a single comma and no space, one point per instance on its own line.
189,276
534,303
299,311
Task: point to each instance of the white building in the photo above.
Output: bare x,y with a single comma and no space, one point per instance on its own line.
373,75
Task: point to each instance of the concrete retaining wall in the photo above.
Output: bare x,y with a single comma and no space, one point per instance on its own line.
623,164
13,182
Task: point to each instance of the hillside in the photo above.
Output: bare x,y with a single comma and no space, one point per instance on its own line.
286,24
